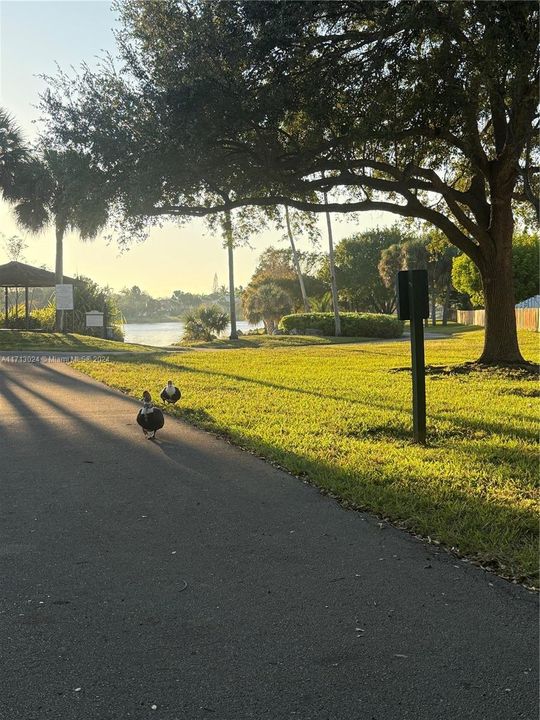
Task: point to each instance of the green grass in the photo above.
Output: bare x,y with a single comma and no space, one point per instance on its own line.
451,328
60,342
340,416
251,341
270,341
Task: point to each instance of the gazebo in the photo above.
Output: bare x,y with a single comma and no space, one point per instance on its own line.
20,275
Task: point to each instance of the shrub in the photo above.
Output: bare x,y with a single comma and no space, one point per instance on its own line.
267,302
352,324
16,319
44,318
204,322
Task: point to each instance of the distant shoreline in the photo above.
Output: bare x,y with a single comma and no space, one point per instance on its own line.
146,321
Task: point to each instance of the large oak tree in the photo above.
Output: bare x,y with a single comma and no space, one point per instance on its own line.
423,109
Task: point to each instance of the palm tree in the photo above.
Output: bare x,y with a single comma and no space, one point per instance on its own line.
206,320
296,262
267,302
70,193
331,263
229,239
13,155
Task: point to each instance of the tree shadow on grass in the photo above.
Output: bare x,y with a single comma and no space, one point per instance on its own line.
464,426
277,386
526,371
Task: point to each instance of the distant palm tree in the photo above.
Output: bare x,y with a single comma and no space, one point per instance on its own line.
70,193
267,302
13,158
202,323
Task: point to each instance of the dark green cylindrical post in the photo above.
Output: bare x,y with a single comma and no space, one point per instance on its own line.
418,362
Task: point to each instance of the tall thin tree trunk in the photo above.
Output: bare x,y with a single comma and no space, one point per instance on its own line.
446,306
59,273
230,250
296,262
433,306
335,301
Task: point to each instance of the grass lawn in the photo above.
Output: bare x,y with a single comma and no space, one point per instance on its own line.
451,328
250,341
340,416
270,341
60,342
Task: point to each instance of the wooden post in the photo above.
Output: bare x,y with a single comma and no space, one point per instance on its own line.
27,320
6,307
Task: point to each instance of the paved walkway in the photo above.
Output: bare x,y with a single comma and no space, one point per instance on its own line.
186,579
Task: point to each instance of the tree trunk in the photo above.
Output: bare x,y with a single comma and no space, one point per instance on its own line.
433,307
296,262
232,301
446,306
500,339
335,300
59,273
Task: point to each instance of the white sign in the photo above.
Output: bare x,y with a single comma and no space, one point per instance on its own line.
94,318
64,297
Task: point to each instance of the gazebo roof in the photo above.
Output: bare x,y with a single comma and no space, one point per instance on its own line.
17,274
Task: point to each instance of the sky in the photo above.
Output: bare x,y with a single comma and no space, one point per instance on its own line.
36,37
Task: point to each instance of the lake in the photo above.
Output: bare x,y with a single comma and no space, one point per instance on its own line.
162,334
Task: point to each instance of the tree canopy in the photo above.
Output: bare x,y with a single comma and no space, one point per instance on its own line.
357,268
525,263
423,109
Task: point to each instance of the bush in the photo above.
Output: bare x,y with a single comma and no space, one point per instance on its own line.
44,318
352,324
16,319
204,322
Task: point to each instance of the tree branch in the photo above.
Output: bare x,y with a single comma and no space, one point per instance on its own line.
413,208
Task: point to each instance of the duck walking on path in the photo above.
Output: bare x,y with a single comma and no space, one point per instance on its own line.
150,418
170,393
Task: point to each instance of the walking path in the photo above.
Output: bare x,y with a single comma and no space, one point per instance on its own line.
185,579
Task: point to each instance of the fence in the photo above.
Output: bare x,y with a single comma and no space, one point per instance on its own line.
526,318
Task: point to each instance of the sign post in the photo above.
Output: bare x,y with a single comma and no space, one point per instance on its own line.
94,319
64,300
413,305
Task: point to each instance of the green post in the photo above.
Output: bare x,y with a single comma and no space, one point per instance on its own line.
413,305
418,367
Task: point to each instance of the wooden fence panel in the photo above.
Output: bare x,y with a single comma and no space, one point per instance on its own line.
526,318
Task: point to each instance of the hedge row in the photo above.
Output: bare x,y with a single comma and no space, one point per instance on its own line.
353,324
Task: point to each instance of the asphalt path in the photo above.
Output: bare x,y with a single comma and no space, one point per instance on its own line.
185,579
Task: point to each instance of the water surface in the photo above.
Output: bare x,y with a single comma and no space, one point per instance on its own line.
162,334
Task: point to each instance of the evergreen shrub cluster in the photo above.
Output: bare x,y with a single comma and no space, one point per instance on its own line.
353,324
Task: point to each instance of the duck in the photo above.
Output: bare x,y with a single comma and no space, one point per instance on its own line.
150,418
170,393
